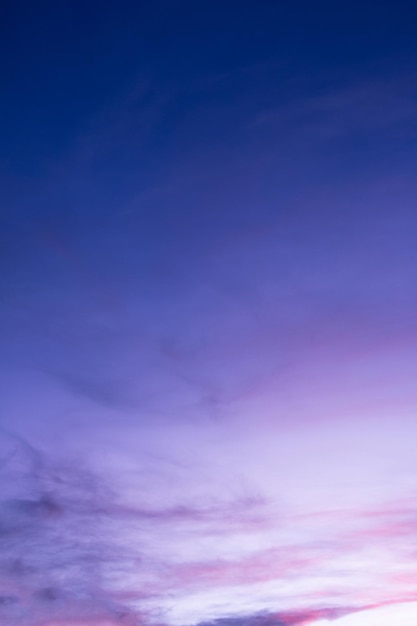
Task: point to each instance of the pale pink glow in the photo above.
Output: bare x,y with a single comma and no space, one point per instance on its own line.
314,535
398,615
295,497
402,614
301,499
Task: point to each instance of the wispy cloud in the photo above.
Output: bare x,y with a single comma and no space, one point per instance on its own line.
380,107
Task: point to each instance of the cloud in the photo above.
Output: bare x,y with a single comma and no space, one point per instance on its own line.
64,548
52,549
301,617
380,110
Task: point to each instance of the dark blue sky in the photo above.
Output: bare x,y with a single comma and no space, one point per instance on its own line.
63,63
105,101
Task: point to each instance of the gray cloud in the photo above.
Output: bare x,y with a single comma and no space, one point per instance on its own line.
53,546
63,539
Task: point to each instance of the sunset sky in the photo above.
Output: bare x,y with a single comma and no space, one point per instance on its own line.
208,313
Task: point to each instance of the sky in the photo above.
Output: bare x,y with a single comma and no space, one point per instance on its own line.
208,313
